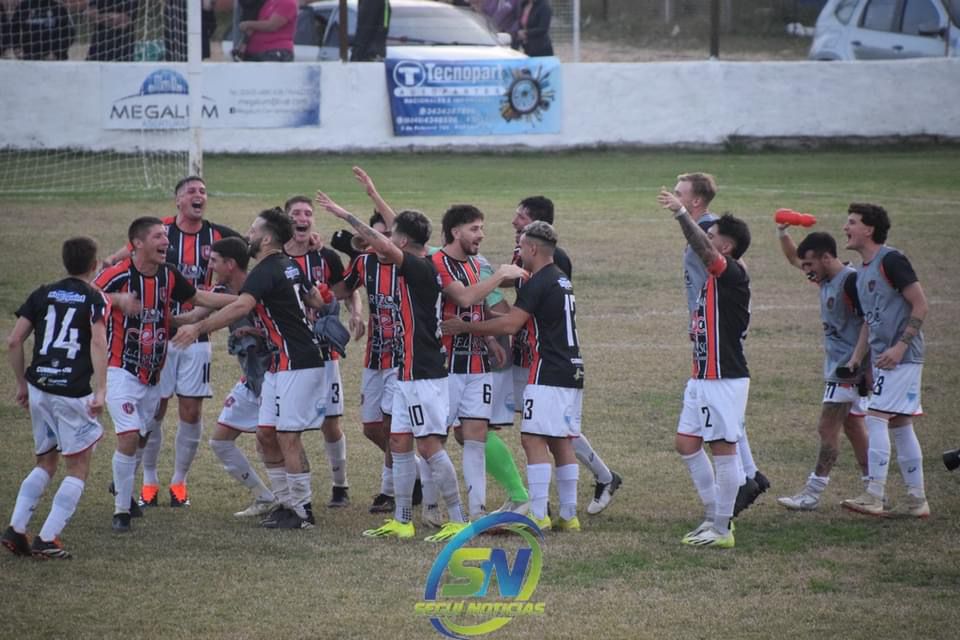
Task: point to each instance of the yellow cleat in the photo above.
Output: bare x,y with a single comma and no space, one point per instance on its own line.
391,529
446,532
573,524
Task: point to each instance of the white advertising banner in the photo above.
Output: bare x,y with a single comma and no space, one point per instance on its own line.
235,96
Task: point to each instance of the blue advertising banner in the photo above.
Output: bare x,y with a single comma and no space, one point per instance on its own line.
475,97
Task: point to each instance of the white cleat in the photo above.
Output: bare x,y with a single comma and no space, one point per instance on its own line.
432,517
258,508
803,501
510,506
603,494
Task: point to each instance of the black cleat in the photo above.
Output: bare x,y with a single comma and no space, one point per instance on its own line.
121,523
43,550
762,481
339,498
746,495
271,515
382,503
287,519
308,509
17,543
417,492
179,496
135,510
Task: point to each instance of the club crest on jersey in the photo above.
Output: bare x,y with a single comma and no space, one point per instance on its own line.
871,285
229,402
317,273
205,252
128,408
150,315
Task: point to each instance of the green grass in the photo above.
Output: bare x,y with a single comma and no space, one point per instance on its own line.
199,573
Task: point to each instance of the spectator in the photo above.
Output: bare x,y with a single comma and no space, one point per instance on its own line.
41,30
373,22
269,38
175,29
114,32
534,33
503,14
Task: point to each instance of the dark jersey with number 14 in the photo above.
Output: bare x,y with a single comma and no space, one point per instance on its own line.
62,314
551,330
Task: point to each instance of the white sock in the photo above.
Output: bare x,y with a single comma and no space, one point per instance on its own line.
589,458
404,477
337,455
301,492
878,455
567,490
701,471
427,486
909,459
64,504
386,481
278,484
151,453
748,466
236,464
185,447
816,484
124,467
445,479
538,485
475,476
727,484
31,490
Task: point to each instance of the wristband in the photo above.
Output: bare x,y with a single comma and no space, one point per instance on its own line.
679,213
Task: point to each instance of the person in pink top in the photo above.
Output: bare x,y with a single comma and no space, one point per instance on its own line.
269,38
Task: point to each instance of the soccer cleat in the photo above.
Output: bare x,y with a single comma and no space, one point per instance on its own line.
748,492
135,510
121,523
43,550
911,507
257,508
308,512
762,482
417,492
391,529
710,537
512,506
431,516
448,531
179,496
17,543
339,498
603,494
703,526
573,524
803,501
287,519
382,503
272,514
866,503
149,496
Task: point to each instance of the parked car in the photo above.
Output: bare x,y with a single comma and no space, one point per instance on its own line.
415,26
886,29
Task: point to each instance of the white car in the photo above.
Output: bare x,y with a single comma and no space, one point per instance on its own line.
418,29
886,29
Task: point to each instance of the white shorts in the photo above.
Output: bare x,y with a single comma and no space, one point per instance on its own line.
551,411
61,423
132,404
376,394
241,409
421,407
502,408
520,377
187,371
714,409
897,390
293,400
843,392
331,373
471,396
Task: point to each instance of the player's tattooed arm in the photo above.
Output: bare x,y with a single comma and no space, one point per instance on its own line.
377,241
696,238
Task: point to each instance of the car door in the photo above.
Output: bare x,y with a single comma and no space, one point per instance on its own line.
923,29
311,24
330,50
875,36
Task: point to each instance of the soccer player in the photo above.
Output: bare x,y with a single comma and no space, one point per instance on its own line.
607,482
138,338
553,396
69,348
323,266
276,289
421,400
715,398
187,370
843,405
695,192
229,258
468,357
894,308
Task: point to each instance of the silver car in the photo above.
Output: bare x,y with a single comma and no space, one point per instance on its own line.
886,29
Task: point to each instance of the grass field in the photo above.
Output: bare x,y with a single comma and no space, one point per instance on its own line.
197,572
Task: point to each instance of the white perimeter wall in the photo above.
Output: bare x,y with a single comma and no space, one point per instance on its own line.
56,105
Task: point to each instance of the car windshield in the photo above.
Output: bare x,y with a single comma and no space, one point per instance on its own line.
426,25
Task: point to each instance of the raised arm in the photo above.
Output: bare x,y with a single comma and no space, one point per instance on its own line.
787,245
378,242
696,237
379,203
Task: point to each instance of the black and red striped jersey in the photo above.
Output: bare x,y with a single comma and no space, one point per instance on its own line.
324,266
719,324
551,329
139,344
423,354
277,284
466,353
62,315
384,328
521,352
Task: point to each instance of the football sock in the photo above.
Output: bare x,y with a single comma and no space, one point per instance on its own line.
589,458
64,504
816,484
31,490
427,486
727,484
909,459
538,479
501,466
151,452
301,491
337,456
701,471
567,490
124,467
386,481
475,476
749,467
278,483
445,479
878,456
236,464
404,477
185,447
